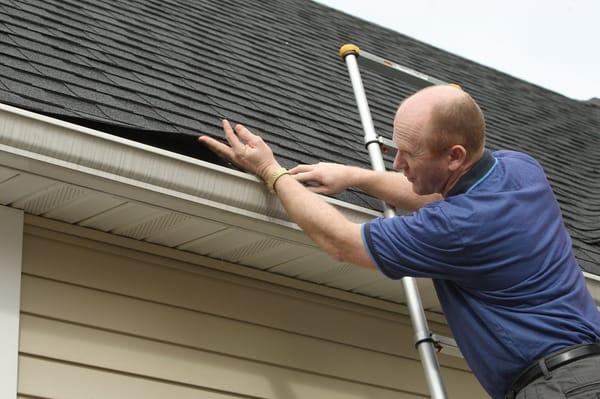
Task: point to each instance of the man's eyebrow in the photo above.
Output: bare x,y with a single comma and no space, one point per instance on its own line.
403,149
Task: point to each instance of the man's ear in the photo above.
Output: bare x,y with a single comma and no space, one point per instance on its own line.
457,157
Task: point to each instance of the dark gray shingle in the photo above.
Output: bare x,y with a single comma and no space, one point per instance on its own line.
180,66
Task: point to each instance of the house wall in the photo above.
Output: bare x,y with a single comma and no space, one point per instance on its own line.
11,237
99,318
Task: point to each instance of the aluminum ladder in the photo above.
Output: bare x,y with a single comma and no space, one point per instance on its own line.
426,342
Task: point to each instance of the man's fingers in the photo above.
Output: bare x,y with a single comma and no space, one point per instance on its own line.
246,135
232,139
222,150
301,169
304,176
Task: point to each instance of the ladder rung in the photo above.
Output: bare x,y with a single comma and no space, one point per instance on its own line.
386,143
448,345
394,70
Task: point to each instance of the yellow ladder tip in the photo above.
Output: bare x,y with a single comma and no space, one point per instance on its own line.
349,49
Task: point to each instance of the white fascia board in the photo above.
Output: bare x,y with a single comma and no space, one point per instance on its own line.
85,157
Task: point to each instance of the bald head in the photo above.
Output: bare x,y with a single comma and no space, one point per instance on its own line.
444,116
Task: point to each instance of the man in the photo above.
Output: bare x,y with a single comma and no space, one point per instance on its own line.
486,228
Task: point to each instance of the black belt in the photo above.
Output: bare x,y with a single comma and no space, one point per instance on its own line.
553,361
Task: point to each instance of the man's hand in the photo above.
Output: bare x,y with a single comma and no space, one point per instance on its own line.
324,178
245,150
322,222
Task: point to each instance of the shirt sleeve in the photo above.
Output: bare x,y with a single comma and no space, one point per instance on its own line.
424,244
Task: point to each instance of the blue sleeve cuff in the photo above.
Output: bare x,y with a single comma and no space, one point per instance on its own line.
365,233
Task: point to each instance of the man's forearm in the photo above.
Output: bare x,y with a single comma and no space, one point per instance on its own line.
391,187
322,222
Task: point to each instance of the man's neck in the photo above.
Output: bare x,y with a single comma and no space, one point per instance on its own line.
455,177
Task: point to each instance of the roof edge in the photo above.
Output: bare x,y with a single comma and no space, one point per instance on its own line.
89,158
43,145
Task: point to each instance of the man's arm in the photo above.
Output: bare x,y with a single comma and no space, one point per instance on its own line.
324,224
391,187
336,235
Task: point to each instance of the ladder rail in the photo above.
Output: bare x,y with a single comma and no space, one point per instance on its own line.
424,339
391,69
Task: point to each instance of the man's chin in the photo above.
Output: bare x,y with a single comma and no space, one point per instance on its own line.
421,191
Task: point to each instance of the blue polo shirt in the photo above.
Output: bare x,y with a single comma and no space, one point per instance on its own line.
501,263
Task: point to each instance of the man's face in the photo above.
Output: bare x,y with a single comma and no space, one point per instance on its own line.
428,172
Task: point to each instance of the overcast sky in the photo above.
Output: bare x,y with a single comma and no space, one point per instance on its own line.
552,43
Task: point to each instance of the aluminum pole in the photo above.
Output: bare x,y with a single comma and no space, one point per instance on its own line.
423,337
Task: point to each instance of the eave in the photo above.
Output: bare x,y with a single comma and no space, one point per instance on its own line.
65,172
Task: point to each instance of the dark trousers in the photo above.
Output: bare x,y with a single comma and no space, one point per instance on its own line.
577,380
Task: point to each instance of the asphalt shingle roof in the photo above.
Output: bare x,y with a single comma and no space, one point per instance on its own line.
164,71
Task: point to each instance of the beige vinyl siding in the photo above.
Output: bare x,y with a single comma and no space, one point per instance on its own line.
101,319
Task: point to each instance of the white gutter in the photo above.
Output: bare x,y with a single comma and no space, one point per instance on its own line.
85,157
88,158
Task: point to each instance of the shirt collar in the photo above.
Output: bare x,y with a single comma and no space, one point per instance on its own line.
478,172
